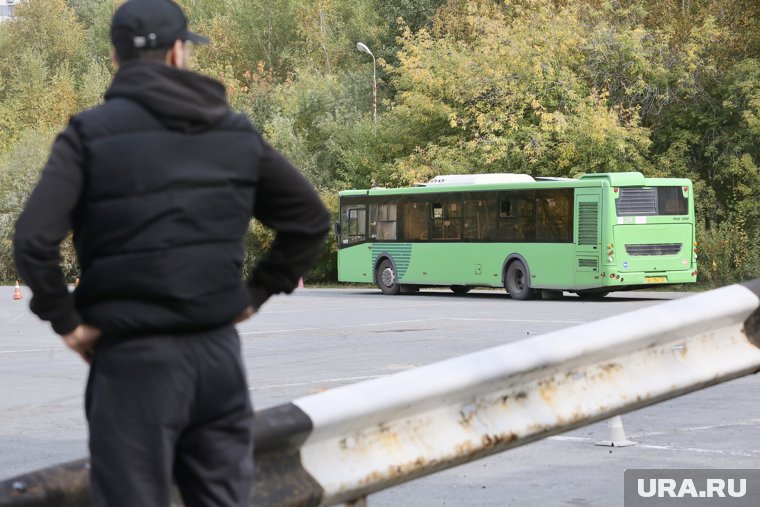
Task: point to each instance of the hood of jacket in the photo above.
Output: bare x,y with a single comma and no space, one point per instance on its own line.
182,100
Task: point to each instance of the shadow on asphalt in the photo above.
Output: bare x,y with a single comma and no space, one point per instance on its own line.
622,297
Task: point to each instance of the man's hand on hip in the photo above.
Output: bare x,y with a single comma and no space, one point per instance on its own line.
82,340
247,314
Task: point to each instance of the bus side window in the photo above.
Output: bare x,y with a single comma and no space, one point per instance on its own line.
479,217
413,217
373,221
353,219
446,222
554,216
357,222
386,222
516,217
505,208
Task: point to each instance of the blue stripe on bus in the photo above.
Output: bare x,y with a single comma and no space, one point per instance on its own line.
400,253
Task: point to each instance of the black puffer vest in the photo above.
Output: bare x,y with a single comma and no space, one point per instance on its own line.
170,174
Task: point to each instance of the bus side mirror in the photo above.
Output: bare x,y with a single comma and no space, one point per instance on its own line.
337,229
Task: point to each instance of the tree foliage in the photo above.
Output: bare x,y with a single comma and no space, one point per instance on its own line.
545,87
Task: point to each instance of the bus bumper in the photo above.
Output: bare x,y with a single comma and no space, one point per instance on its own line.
613,278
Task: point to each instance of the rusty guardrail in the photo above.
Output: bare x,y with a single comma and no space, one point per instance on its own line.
343,444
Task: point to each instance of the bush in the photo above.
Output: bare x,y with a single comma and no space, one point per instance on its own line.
19,172
728,253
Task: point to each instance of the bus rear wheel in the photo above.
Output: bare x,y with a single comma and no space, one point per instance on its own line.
460,289
516,281
387,279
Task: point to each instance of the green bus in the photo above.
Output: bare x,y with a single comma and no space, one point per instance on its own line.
599,233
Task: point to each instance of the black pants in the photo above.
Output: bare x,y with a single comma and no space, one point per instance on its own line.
163,408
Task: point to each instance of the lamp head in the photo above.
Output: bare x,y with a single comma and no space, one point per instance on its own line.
363,48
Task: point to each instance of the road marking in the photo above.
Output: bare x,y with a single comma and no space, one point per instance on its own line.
313,382
30,350
399,366
570,439
282,331
389,322
742,454
409,321
517,320
368,324
348,326
312,309
384,323
751,422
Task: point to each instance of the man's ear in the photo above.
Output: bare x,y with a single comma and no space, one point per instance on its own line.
175,55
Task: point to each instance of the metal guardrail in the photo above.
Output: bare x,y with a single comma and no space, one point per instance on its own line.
343,444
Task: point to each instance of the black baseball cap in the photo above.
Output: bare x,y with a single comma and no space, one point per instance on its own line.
138,25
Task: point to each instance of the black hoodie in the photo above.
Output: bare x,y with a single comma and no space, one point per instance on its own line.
181,100
158,185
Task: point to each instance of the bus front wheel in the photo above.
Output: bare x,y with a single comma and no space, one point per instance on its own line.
386,278
516,281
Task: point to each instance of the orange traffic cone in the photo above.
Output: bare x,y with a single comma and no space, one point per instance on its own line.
17,292
300,283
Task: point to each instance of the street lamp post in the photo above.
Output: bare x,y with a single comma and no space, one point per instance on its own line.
364,49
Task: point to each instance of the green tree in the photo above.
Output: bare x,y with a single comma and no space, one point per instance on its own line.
492,91
19,171
330,30
546,87
42,54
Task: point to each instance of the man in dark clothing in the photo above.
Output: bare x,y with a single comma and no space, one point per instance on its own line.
159,184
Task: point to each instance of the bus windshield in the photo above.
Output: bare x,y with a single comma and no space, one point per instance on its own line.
651,201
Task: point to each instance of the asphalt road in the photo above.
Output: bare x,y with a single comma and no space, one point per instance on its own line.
318,339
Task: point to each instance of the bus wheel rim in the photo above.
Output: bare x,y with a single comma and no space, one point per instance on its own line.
389,277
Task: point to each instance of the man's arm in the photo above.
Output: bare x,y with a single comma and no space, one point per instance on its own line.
42,226
286,202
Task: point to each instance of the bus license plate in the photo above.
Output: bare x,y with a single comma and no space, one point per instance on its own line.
656,279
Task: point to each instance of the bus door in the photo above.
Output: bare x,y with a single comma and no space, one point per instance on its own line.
588,247
354,263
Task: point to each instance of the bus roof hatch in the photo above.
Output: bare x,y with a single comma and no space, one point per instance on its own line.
479,179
